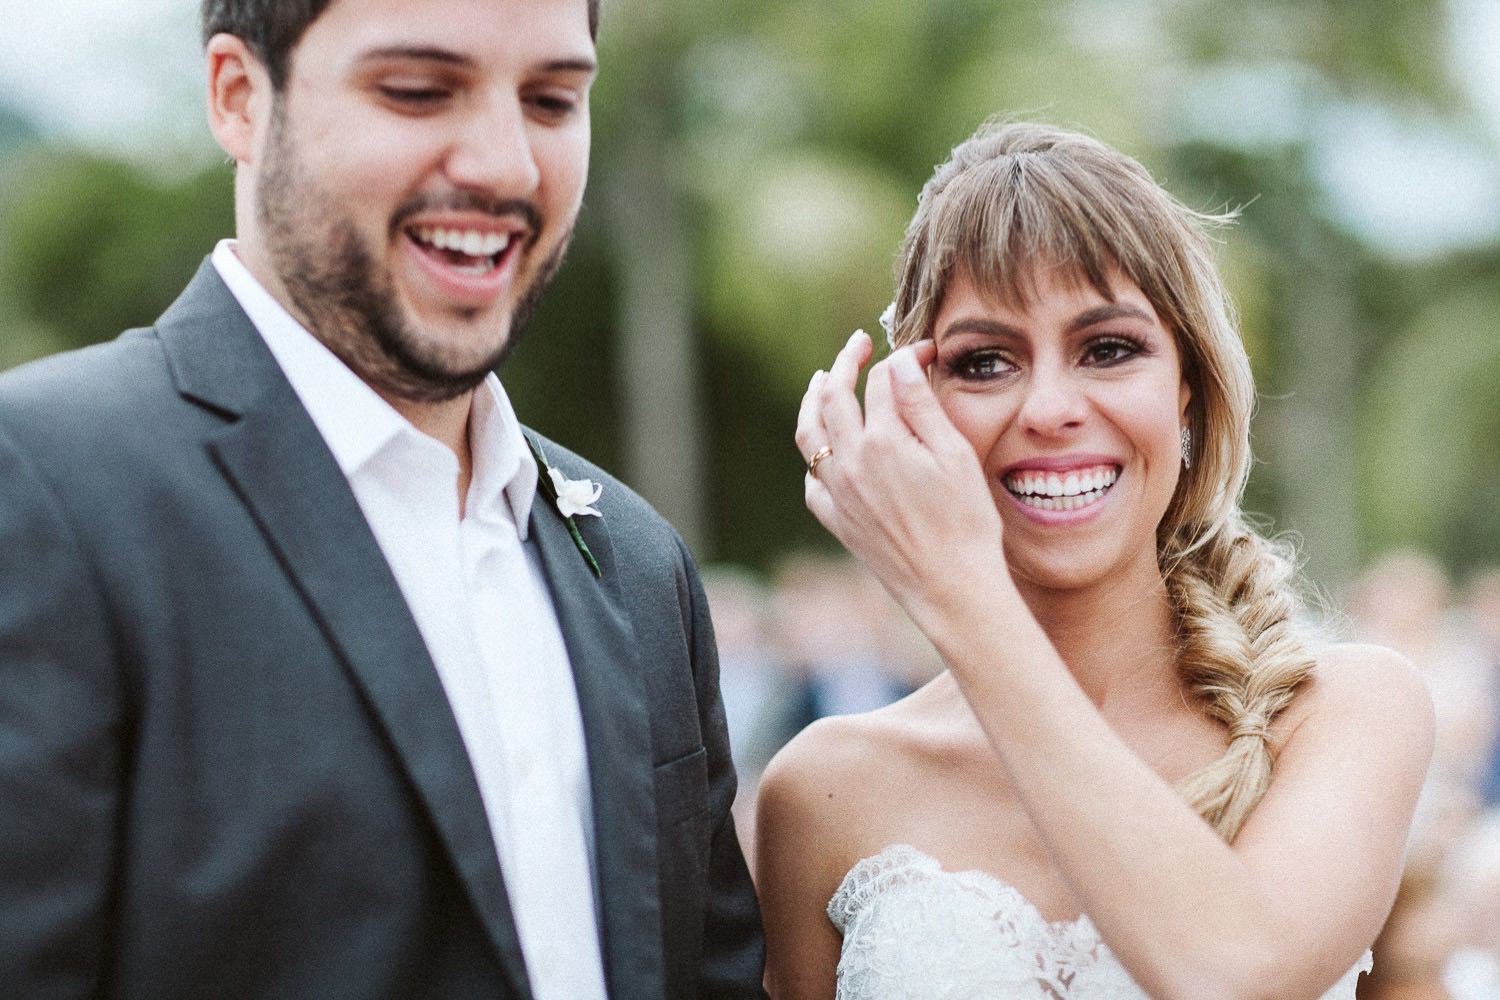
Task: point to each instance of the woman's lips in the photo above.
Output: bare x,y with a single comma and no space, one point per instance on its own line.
1061,490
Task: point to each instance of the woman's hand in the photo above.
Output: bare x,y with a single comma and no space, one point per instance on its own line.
901,489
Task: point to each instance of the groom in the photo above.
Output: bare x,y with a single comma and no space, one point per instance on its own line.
307,686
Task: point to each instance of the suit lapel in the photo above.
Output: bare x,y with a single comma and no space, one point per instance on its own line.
284,473
617,730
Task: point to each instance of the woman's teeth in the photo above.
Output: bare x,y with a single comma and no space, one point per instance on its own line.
1069,490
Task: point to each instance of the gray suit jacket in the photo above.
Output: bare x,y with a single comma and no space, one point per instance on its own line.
227,767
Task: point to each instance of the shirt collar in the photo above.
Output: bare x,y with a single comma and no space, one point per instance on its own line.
503,465
357,423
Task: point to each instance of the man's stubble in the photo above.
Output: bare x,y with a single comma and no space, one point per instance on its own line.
345,298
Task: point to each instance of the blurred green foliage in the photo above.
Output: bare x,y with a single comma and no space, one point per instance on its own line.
793,138
93,245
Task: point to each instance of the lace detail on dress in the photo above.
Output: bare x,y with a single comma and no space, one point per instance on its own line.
913,931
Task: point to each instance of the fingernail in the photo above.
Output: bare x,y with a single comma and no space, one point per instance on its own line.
904,366
817,377
857,334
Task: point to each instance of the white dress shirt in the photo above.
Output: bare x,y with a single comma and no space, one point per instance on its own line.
482,606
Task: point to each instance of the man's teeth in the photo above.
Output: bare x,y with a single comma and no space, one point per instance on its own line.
470,242
1062,491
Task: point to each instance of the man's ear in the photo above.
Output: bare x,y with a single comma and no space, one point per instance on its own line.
239,95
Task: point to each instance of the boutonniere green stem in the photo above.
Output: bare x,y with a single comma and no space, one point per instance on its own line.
573,498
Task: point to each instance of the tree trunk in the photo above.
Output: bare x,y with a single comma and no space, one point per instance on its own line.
659,368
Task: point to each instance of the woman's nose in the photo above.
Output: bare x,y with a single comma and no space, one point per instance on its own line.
1054,402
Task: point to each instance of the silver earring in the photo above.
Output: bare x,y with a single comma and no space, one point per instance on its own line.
1187,448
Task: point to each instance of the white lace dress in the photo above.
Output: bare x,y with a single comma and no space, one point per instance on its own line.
913,931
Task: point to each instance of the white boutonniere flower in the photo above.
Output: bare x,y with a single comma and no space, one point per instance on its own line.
575,496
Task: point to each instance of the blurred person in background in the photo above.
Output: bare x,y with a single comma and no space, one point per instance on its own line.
1400,601
1483,608
1136,776
1404,600
752,676
828,625
758,687
1471,885
1413,949
826,639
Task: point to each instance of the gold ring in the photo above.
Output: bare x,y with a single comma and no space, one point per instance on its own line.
818,456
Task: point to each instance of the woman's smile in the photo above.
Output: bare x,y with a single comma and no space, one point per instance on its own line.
1074,404
1067,487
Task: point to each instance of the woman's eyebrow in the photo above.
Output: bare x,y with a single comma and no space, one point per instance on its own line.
977,324
1111,310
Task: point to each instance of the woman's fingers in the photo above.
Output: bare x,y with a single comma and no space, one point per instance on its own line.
900,403
880,414
839,408
915,402
818,500
900,487
810,435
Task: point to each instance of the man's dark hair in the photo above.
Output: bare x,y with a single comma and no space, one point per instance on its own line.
272,28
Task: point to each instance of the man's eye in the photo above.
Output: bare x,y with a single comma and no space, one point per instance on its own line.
1110,350
553,106
415,96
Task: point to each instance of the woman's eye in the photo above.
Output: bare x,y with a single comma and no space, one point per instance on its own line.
979,365
1110,350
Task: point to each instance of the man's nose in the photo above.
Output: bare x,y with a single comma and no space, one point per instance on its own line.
493,153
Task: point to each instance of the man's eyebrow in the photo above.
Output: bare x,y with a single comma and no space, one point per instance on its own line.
433,53
1114,310
423,53
575,65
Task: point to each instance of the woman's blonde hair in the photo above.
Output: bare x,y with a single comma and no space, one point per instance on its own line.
1016,197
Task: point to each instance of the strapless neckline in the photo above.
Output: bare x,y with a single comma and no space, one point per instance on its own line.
907,854
913,930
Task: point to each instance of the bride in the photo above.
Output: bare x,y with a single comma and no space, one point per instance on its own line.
1137,776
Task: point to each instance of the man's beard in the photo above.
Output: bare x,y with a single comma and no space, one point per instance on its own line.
346,300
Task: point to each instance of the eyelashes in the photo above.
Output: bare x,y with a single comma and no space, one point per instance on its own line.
990,363
1111,349
977,366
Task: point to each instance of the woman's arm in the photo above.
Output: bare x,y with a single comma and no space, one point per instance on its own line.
1309,879
1307,883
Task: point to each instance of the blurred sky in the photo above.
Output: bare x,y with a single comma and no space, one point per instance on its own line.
126,75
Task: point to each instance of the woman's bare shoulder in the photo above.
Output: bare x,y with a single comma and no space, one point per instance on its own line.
1350,673
887,740
842,777
1368,690
838,752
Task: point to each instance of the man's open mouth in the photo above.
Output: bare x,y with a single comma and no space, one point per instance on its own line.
468,251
